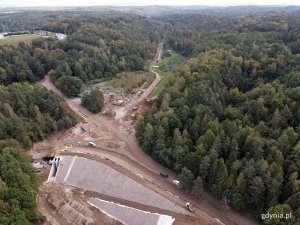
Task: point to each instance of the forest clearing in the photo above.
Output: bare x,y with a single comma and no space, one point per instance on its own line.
15,40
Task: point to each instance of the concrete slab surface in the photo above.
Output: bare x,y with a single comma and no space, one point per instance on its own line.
130,216
95,176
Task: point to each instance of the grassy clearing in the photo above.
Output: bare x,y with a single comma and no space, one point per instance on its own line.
161,85
15,40
170,56
163,73
128,81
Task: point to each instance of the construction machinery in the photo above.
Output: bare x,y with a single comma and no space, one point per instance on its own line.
189,207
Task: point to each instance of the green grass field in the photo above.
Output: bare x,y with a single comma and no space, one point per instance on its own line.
15,40
164,75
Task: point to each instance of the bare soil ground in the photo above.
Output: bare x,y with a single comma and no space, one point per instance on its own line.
66,205
53,199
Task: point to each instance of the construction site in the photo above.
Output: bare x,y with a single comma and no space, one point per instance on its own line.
105,184
96,173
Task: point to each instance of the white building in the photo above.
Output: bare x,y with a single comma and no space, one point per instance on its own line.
2,35
41,32
60,36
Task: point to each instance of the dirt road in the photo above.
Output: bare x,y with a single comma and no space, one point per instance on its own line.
147,92
157,58
135,159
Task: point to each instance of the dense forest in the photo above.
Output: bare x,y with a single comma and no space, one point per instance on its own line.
230,118
99,45
198,32
18,186
27,114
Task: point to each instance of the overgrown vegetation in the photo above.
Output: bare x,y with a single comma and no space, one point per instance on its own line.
171,61
128,81
230,117
165,69
93,100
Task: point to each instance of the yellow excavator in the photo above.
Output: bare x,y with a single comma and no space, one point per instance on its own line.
189,207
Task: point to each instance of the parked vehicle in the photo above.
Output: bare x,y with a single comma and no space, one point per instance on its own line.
164,174
92,144
176,182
